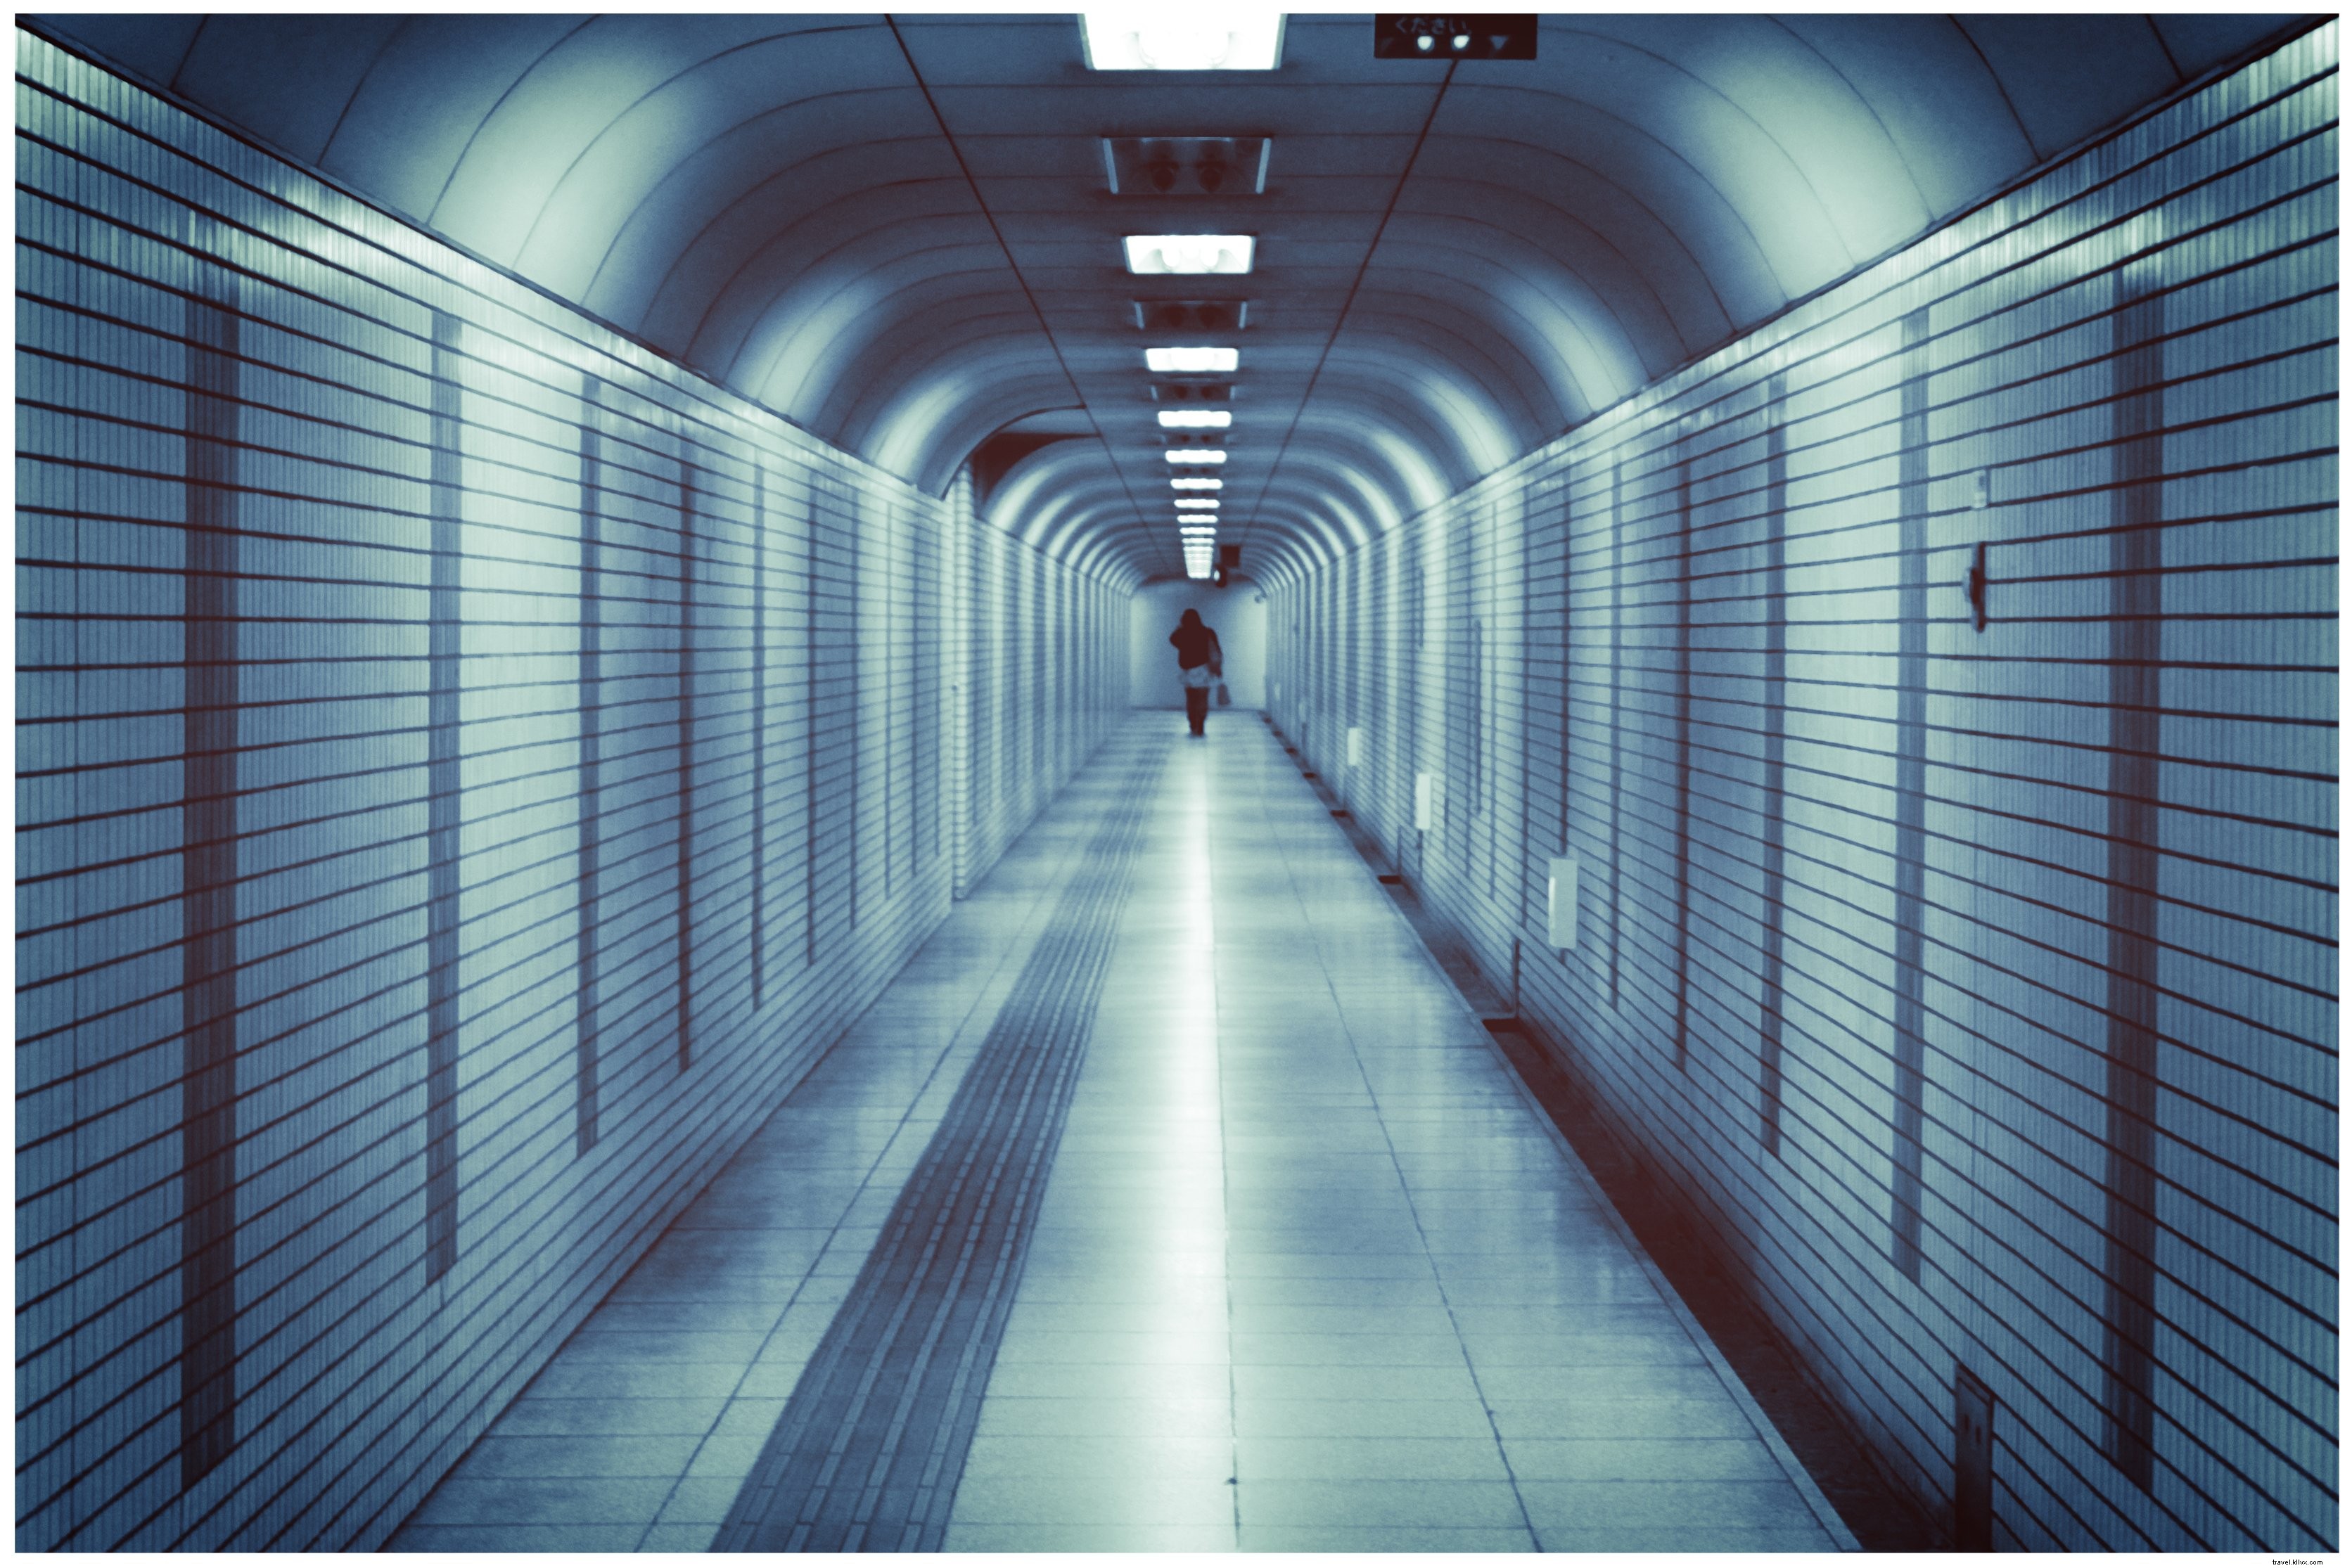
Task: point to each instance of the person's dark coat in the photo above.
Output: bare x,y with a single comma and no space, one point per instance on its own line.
1196,643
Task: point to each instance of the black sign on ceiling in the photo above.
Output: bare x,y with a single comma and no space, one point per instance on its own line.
1511,37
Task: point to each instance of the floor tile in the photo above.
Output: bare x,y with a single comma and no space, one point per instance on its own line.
572,1500
680,1538
500,1455
1344,1539
1456,1419
533,1416
1355,1381
1665,1505
1618,1459
1089,1537
996,1454
1122,1501
1380,1504
568,1539
1090,1418
1478,1458
702,1501
1212,1348
1367,1349
1695,1539
1638,1418
595,1380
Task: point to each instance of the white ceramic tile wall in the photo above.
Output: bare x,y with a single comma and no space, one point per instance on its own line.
581,762
1880,913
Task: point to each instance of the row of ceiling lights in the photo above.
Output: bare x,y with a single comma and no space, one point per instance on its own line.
1218,39
1191,40
1225,254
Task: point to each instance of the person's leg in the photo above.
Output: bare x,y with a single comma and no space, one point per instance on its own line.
1196,707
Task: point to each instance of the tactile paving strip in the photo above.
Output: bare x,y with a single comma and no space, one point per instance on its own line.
869,1448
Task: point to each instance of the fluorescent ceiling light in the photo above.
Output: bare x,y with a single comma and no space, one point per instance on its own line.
1195,503
1194,457
1191,482
1161,39
1192,361
1155,255
1194,419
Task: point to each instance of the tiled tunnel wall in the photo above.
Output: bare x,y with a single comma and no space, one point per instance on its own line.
467,768
1975,986
1021,737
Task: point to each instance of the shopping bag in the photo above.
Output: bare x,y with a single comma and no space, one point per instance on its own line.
1224,697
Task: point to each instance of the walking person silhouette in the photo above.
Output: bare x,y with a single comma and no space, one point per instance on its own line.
1202,661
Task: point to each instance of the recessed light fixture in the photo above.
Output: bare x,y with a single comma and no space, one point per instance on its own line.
1173,316
1194,457
1160,254
1191,391
1194,419
1189,482
1158,38
1196,504
1187,165
1192,361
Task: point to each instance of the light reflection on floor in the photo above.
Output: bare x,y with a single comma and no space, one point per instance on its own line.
1308,1274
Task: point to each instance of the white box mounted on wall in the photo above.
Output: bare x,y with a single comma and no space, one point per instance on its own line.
1355,745
1424,801
1559,902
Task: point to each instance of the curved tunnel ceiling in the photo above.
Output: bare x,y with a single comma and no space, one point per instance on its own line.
898,232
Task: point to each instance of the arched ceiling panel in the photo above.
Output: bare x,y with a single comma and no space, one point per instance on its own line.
694,230
902,435
1831,142
1677,197
672,126
425,94
923,332
1925,82
1690,126
555,110
2039,60
1564,351
1608,238
898,232
1561,280
871,245
289,78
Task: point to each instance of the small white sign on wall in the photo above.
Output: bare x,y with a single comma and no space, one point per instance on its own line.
1559,902
1424,801
1355,745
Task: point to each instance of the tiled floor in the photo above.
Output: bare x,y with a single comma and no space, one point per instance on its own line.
1309,1273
